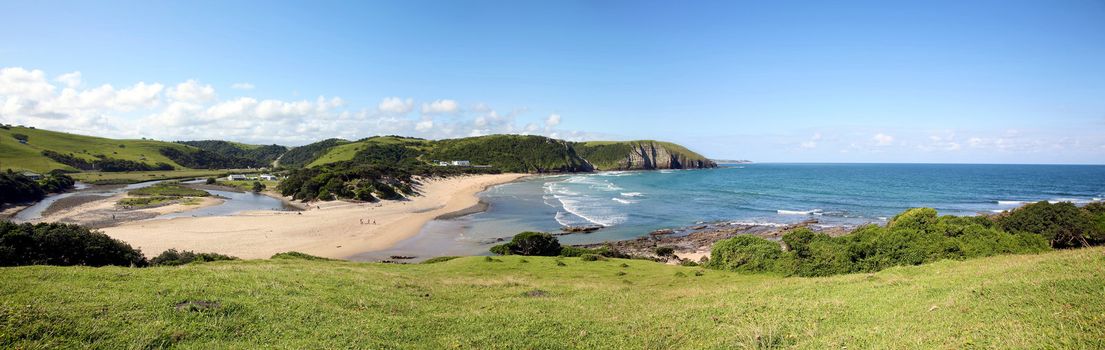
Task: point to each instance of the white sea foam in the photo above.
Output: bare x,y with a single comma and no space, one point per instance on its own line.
632,194
1010,202
799,212
622,201
757,223
996,211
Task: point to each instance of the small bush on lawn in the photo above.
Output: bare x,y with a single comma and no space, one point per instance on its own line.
591,257
62,245
297,255
530,243
172,257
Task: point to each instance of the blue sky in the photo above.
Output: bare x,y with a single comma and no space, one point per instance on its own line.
878,81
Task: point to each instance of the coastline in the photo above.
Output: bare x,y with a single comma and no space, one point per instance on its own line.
336,229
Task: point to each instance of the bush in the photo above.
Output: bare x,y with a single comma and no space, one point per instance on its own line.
172,257
571,252
62,245
210,181
1063,224
591,257
16,188
20,137
530,243
297,256
258,186
439,259
745,253
664,251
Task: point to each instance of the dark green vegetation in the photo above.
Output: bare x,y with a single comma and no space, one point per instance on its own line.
360,182
642,154
64,245
101,162
297,256
512,153
17,188
915,237
258,156
171,189
1040,301
300,156
162,193
172,257
529,243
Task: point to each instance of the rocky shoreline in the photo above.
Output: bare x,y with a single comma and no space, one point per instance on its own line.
691,243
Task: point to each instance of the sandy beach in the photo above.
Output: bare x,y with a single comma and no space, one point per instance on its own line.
336,229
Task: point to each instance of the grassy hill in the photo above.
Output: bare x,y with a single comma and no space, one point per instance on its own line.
518,153
259,155
17,156
1050,300
348,151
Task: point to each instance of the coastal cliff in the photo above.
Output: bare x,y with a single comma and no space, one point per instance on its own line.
641,155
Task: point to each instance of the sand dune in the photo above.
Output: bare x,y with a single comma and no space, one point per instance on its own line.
334,229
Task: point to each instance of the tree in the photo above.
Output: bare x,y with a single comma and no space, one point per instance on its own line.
530,243
1063,224
258,186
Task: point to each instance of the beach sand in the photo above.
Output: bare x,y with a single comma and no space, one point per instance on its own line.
336,229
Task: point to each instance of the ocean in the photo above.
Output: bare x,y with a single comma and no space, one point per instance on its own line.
631,204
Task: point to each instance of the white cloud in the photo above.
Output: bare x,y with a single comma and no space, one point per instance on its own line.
883,139
192,91
552,121
812,142
71,80
440,107
424,125
191,110
242,86
395,105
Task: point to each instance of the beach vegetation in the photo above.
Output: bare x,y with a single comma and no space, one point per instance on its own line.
530,243
168,189
173,257
297,256
1063,224
664,251
913,237
439,259
62,244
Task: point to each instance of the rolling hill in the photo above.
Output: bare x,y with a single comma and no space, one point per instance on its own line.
47,150
1045,301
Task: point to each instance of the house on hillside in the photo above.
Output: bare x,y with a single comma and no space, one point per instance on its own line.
267,177
32,175
237,177
461,163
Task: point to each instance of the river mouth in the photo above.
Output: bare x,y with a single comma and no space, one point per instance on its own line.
233,202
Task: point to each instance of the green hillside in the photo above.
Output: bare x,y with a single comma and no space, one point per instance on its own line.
348,151
519,153
612,155
257,155
1050,300
17,156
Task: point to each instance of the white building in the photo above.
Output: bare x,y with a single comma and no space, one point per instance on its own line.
461,163
267,177
237,177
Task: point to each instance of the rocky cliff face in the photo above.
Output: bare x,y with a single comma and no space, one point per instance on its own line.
652,155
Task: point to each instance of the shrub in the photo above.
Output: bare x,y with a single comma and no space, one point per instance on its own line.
172,257
591,257
210,181
664,251
745,253
63,245
20,137
258,186
439,259
921,219
1063,224
297,255
16,188
530,243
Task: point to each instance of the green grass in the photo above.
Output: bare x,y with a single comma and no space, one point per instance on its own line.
1051,300
106,178
156,200
247,185
170,189
346,151
16,156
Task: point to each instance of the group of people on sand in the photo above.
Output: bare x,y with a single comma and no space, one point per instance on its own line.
367,222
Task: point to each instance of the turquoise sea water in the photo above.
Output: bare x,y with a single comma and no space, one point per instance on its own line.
632,204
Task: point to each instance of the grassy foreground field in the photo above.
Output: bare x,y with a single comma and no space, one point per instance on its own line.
1051,300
